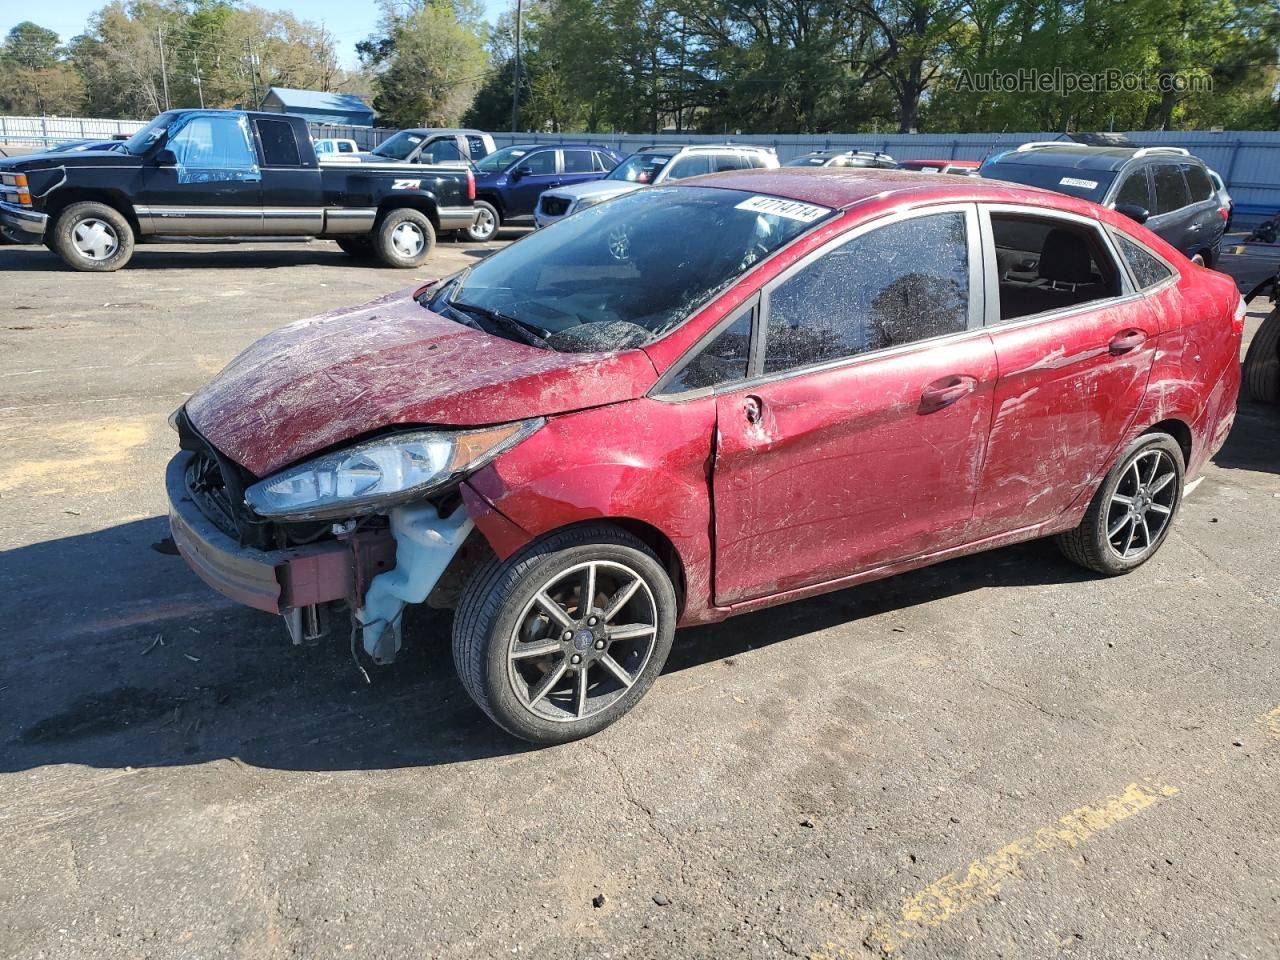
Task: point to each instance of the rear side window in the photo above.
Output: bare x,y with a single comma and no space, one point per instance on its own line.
1135,190
1147,270
603,164
1046,264
904,282
723,360
344,147
475,146
279,148
578,161
1198,183
1171,189
693,165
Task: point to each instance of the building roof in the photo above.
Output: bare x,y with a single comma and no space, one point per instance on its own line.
317,102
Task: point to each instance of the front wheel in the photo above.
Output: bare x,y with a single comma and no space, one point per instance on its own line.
1261,372
488,220
1132,511
564,637
405,238
92,237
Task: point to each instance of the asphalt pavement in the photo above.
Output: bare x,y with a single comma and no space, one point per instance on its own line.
1000,756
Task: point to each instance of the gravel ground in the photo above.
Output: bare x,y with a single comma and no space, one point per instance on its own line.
997,756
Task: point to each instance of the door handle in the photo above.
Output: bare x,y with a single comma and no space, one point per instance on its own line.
752,409
1127,340
946,391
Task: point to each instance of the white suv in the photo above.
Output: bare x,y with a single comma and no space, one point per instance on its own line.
649,166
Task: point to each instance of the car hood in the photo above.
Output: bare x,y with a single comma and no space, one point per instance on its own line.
599,189
83,158
324,381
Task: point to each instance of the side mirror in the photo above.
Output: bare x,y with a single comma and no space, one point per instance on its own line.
166,158
1134,212
521,171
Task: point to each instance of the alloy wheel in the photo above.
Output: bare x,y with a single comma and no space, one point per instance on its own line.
1142,504
582,640
94,239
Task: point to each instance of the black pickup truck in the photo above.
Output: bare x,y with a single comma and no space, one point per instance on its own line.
227,174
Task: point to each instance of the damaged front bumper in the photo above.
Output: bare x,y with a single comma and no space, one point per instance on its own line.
22,224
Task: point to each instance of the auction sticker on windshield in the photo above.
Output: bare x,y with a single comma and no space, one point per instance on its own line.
1077,182
790,209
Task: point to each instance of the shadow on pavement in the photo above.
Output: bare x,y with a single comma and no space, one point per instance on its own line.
1254,441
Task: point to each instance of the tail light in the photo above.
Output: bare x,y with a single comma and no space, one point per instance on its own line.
1224,213
471,186
1237,318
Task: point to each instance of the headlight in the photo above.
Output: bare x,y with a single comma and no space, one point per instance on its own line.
582,203
381,473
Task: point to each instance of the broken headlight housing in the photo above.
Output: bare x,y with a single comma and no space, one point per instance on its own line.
381,473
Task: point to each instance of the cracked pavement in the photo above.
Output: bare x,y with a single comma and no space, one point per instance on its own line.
1000,756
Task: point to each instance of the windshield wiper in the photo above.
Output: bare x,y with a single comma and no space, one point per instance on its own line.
530,334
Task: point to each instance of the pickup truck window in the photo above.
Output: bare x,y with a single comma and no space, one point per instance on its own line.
212,147
279,146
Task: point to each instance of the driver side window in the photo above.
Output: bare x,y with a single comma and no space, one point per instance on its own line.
542,163
210,148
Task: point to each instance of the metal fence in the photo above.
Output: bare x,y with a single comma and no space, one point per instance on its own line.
1248,160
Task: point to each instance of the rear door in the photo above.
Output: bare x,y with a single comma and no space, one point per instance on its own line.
1173,219
291,194
858,438
577,165
1075,346
209,183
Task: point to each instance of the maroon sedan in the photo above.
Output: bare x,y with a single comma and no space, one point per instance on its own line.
699,400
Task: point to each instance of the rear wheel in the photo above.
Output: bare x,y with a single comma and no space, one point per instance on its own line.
93,237
405,238
488,220
1132,511
561,639
1262,361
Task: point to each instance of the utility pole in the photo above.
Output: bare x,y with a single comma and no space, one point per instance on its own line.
199,82
164,76
253,71
515,87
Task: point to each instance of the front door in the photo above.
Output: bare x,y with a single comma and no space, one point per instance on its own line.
1075,347
859,440
204,180
533,173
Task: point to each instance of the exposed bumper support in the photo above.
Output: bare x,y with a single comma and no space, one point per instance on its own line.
456,218
22,224
425,543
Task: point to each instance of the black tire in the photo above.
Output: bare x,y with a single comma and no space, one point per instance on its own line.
360,247
1262,362
1089,544
488,222
500,597
398,226
85,227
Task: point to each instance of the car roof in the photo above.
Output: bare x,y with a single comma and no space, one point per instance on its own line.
674,148
843,187
442,130
1080,156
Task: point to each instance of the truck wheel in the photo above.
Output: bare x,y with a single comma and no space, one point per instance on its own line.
93,237
1132,511
488,220
562,638
1262,361
356,246
405,238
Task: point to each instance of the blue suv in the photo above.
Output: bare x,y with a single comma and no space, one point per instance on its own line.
510,181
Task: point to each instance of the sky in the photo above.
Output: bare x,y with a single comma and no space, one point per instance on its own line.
348,20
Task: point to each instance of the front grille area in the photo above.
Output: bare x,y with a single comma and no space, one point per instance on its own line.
209,493
555,206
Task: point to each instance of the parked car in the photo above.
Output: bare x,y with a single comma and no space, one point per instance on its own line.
228,174
509,182
80,146
703,400
433,145
842,158
963,168
335,145
1164,188
649,166
1224,198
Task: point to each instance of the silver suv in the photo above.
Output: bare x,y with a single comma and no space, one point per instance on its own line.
649,166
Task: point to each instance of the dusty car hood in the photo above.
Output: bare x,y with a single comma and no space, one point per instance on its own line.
596,188
319,382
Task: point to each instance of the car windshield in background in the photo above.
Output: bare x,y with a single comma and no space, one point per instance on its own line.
1086,184
807,162
400,146
499,161
139,143
618,276
640,167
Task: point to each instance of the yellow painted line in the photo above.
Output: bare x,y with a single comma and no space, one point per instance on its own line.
982,879
1271,723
